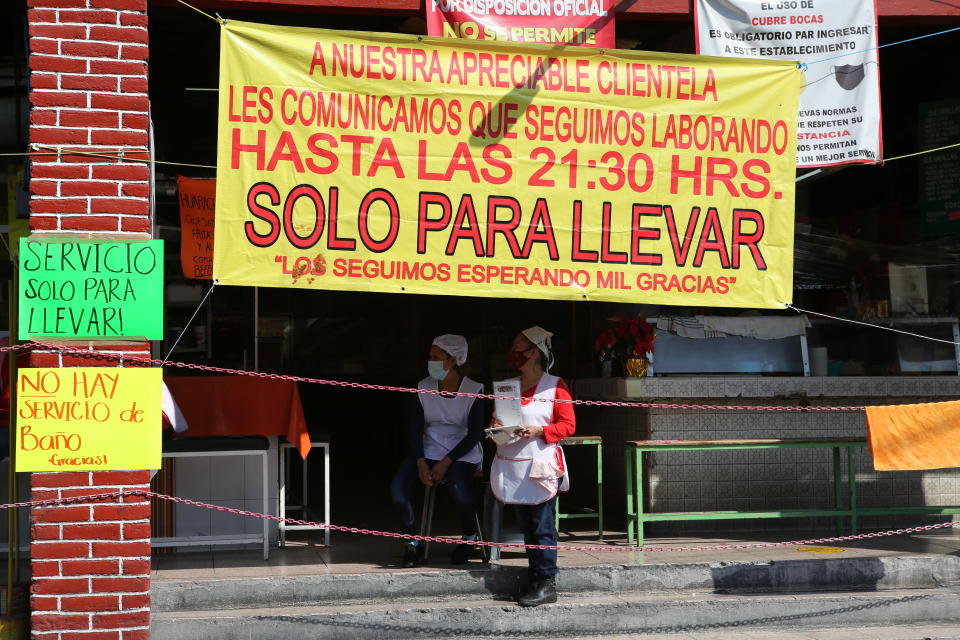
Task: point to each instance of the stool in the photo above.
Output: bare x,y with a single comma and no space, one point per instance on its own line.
596,441
322,442
497,532
426,518
210,446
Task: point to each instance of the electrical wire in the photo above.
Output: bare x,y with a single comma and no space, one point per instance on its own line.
106,156
187,325
124,158
924,152
872,325
882,46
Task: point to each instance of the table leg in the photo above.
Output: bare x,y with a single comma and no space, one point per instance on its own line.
556,512
304,490
628,463
600,490
266,507
282,502
837,488
852,487
326,493
638,483
496,521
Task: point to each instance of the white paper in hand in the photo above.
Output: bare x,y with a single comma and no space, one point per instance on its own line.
502,435
506,405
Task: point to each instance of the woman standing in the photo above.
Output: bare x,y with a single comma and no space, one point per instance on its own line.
529,470
445,432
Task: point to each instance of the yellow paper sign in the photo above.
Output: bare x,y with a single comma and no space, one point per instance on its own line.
88,419
382,162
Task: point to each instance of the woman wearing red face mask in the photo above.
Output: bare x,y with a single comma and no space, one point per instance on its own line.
529,471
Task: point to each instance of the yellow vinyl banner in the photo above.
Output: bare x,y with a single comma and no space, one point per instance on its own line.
381,162
88,419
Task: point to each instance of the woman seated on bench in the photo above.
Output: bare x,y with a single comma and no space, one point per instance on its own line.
445,433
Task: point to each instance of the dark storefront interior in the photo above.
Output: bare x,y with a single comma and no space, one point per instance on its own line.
383,338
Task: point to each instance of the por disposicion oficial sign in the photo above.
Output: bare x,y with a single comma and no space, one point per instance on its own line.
587,23
91,289
88,419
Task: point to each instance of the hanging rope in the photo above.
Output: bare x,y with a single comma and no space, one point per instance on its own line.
216,19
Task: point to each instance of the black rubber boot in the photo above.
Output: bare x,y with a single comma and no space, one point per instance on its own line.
461,553
540,591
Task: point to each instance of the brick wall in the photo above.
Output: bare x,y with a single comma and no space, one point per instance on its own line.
90,563
88,80
88,61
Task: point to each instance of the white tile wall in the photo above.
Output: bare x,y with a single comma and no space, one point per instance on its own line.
192,521
230,481
761,387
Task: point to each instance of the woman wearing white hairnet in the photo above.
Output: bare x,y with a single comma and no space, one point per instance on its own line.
529,470
445,433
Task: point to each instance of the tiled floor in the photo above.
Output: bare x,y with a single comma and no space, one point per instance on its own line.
350,553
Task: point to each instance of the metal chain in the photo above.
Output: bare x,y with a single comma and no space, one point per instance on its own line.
128,360
97,497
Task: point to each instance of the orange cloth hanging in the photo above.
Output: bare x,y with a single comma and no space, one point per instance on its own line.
909,437
241,406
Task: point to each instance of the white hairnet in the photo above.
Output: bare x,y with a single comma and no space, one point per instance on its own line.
541,338
453,344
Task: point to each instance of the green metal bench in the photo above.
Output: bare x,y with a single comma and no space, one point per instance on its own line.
636,517
596,441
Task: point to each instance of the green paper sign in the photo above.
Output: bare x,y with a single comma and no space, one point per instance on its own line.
91,289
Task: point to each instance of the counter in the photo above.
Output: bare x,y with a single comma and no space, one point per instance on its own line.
946,387
702,481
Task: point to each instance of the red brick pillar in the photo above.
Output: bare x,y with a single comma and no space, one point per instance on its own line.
91,563
88,81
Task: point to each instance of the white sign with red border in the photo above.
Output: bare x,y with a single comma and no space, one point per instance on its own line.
840,106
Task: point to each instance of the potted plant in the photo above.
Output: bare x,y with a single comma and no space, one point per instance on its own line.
629,341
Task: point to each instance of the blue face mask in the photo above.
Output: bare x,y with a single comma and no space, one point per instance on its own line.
436,370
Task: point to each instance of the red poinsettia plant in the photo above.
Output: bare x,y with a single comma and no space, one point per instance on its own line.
627,337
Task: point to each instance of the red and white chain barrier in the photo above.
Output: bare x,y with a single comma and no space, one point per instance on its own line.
119,495
128,360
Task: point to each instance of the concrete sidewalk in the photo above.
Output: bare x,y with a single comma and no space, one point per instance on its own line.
609,616
355,554
882,588
884,632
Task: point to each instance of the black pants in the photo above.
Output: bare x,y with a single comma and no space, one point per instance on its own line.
459,482
539,527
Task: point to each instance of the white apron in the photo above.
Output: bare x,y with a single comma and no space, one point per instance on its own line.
446,420
530,471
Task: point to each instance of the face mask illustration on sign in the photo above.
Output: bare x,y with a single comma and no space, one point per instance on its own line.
848,76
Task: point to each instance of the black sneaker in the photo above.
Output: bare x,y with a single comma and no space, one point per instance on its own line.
540,591
412,556
461,553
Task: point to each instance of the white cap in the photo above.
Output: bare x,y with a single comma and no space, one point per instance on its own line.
453,344
541,338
